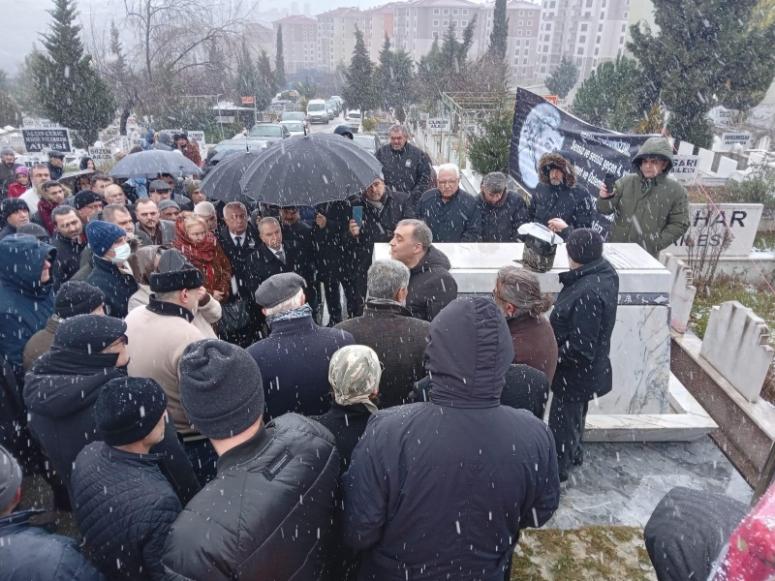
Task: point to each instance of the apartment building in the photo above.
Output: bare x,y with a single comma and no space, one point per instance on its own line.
378,23
300,42
336,36
522,48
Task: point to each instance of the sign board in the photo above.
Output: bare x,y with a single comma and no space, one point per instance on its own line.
552,99
43,140
742,138
439,125
100,153
199,138
248,100
685,168
710,225
225,119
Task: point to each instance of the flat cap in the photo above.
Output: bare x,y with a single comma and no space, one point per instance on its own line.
279,288
55,153
159,186
164,204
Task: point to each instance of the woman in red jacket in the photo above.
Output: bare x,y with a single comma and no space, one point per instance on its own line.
202,249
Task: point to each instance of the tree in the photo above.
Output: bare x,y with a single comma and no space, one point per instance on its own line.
121,76
706,53
67,86
266,77
10,114
247,76
401,91
279,61
500,32
383,74
490,150
359,91
563,78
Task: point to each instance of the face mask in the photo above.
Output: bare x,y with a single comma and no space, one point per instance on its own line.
122,253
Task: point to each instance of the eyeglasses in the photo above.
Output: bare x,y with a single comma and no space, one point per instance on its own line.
447,182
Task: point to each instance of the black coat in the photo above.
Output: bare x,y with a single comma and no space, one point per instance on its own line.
500,223
440,490
431,287
243,260
330,241
406,170
458,220
117,286
268,513
268,264
583,320
294,365
124,507
347,424
68,260
300,245
30,553
573,205
399,340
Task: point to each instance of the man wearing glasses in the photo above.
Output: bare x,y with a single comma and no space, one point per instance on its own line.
649,207
450,212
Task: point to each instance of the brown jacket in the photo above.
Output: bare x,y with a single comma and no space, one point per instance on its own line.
534,344
40,342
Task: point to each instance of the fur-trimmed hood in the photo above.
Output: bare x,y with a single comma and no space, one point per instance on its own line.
558,161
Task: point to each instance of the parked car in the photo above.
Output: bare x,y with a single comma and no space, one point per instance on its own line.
317,112
295,116
368,141
353,117
268,131
294,127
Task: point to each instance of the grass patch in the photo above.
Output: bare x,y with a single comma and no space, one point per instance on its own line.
764,241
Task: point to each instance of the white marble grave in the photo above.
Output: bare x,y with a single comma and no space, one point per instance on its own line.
682,292
736,345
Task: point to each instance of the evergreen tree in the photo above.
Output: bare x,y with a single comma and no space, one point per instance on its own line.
247,76
429,71
500,32
10,114
490,151
266,76
562,79
66,84
383,74
359,91
401,93
279,61
122,77
706,53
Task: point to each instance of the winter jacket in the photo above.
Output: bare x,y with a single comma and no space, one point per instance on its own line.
457,220
25,302
440,490
40,342
124,507
653,213
583,320
244,262
431,287
165,234
206,315
16,189
399,341
267,264
294,365
330,241
534,343
68,260
500,222
117,285
347,424
267,515
406,170
7,177
30,553
297,238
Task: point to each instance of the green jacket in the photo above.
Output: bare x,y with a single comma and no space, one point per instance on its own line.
653,213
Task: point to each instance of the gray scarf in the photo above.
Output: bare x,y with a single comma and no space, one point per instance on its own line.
298,313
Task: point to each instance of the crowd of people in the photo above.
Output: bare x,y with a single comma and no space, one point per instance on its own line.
167,368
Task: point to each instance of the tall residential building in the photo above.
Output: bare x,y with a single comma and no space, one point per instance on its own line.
336,36
589,32
522,47
300,42
378,23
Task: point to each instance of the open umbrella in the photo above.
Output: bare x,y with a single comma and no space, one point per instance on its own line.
149,164
309,170
222,182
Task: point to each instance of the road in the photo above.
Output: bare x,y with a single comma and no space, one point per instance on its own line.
326,128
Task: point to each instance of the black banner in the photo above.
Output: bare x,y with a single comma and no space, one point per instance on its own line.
43,140
540,127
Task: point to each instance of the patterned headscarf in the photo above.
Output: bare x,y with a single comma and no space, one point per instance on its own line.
354,374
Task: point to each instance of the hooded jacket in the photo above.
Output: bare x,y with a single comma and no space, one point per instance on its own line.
501,221
440,490
116,285
653,213
25,302
431,286
567,201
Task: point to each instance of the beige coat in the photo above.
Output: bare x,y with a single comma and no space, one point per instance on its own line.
204,319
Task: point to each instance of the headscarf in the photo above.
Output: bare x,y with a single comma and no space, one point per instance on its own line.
354,374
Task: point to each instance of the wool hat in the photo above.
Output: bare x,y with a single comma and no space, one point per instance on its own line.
175,273
84,198
21,170
7,151
584,245
102,235
13,205
164,204
278,288
57,154
159,186
10,478
89,333
76,297
221,388
128,408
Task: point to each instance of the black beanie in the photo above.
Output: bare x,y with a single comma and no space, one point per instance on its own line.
584,245
89,333
127,409
76,297
220,388
13,205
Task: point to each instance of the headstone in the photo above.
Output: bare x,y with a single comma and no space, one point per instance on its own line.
715,225
741,138
439,125
736,345
682,292
685,168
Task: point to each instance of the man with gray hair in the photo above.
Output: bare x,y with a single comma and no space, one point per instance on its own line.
431,287
294,358
388,327
501,212
406,168
451,213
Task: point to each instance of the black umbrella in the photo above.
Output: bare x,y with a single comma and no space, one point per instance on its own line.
309,170
149,164
223,181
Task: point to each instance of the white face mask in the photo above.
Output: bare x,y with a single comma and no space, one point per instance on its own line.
122,253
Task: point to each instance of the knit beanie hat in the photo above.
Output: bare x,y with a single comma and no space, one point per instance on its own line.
221,388
102,235
10,478
21,170
89,333
84,198
76,297
128,408
584,245
13,205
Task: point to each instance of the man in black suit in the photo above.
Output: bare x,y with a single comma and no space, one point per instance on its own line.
297,237
274,256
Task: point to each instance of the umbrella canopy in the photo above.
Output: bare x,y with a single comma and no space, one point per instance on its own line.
309,170
149,164
222,182
74,175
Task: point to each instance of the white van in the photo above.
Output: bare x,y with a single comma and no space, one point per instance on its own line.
317,112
